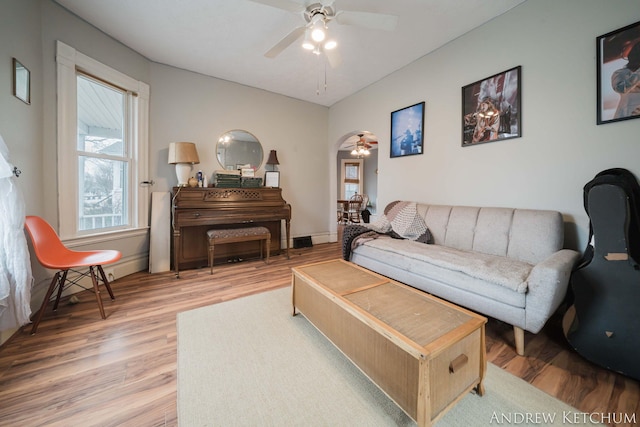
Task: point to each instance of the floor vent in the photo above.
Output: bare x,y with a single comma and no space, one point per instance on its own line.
302,242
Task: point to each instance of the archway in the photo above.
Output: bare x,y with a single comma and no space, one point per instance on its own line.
368,182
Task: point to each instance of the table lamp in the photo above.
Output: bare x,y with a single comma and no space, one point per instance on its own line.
183,155
273,160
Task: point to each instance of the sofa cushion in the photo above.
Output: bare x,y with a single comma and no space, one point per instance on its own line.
453,286
509,273
493,230
461,227
535,234
523,234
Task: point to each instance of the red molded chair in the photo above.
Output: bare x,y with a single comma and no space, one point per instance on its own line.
53,254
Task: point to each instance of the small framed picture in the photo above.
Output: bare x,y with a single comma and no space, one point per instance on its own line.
272,179
406,131
618,69
491,108
247,172
21,82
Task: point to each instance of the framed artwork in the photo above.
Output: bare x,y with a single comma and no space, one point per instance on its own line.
406,131
272,179
21,82
618,69
491,108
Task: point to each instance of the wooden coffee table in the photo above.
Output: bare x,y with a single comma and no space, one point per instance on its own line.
423,352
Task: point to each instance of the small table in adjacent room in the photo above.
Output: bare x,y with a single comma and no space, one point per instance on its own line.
423,352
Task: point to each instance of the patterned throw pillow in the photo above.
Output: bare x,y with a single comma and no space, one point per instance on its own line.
405,221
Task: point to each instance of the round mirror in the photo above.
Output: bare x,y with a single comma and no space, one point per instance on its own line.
238,149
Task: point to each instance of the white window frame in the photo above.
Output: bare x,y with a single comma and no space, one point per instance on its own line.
343,165
69,61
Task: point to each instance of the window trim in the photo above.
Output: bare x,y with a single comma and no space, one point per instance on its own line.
344,180
68,61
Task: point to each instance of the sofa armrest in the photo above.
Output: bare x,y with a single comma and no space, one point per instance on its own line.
547,287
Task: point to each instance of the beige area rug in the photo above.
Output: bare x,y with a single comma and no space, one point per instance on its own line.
248,362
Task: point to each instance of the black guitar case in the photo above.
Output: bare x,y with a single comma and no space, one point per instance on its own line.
603,324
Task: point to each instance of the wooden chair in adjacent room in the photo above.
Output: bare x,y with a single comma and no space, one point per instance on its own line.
355,207
342,210
52,253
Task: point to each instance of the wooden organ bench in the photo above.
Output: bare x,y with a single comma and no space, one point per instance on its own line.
235,235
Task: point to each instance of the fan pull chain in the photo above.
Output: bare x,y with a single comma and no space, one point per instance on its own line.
325,75
318,80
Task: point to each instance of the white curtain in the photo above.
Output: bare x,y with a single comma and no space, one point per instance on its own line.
15,263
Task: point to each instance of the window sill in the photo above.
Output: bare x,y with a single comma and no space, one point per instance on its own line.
105,237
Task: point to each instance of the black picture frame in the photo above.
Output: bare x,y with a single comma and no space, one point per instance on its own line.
491,108
21,82
407,136
613,66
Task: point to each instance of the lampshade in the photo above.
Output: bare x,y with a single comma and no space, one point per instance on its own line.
183,155
183,152
273,158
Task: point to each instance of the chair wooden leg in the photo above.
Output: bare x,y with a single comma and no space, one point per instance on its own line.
60,289
96,290
52,286
106,282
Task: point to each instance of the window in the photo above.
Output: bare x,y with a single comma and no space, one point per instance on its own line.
103,156
351,173
102,146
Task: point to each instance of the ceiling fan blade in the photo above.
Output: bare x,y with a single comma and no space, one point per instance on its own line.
288,5
374,21
334,58
285,42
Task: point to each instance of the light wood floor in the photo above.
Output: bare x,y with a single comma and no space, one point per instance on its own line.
79,370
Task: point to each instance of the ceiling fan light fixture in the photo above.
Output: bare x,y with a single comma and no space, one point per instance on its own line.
330,44
308,43
318,30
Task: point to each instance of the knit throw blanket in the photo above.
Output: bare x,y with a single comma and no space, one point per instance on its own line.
400,221
351,238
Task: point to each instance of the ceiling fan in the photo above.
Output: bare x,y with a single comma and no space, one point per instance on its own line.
362,146
315,31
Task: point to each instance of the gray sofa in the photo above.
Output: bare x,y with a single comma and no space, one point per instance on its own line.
505,263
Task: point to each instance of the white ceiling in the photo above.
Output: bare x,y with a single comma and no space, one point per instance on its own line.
227,39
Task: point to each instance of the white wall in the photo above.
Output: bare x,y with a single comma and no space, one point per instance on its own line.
561,147
183,106
21,124
560,150
187,106
58,24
